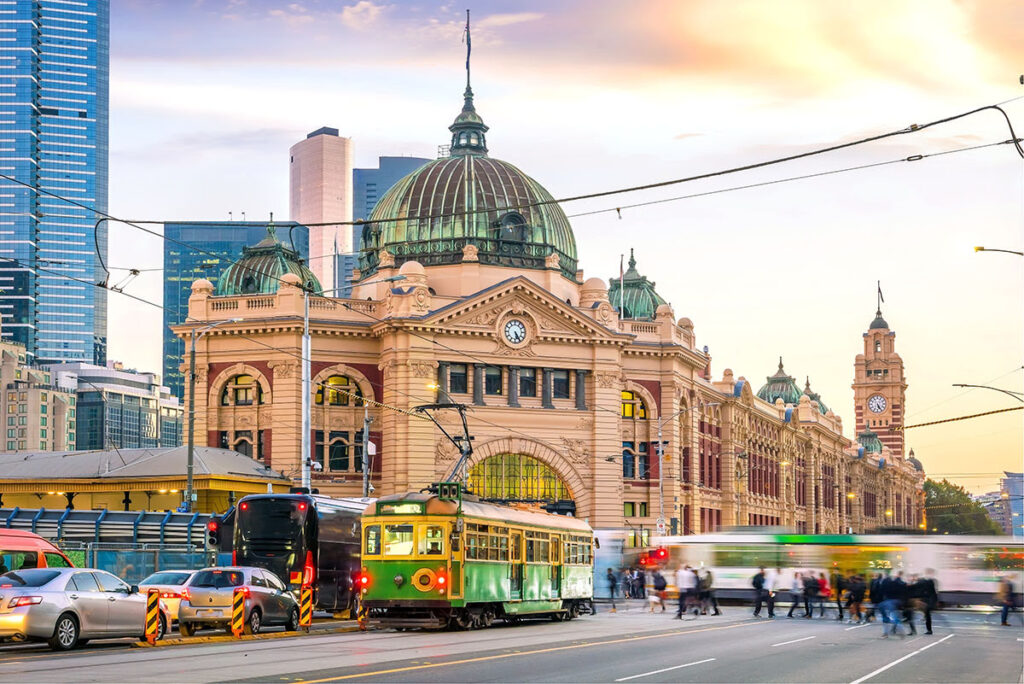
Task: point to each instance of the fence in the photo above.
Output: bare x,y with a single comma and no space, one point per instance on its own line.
133,562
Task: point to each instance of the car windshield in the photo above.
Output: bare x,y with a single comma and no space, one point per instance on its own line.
217,579
171,578
27,578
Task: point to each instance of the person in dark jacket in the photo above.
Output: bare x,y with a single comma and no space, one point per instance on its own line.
855,589
811,589
759,593
613,586
838,585
928,594
874,594
891,591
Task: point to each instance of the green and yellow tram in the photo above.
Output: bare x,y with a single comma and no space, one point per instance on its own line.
435,562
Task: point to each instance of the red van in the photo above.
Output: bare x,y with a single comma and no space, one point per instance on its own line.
20,549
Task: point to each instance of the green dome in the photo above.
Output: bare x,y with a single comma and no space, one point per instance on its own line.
814,396
879,322
261,268
635,293
468,198
869,440
780,386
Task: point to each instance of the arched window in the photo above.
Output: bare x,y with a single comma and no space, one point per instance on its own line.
241,390
516,477
340,390
633,406
878,345
511,226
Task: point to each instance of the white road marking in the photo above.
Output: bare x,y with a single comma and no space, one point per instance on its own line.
792,642
900,660
667,669
866,624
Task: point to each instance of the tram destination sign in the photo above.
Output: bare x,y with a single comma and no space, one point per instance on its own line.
400,508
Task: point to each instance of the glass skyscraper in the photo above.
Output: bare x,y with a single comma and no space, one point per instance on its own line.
54,79
184,266
369,185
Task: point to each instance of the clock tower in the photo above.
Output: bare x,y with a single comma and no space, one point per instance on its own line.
879,386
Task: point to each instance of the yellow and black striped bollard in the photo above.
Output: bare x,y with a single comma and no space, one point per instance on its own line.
306,608
152,615
238,612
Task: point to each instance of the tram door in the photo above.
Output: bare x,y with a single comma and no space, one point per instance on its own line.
516,566
556,566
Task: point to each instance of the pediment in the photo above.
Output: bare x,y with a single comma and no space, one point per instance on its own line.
551,318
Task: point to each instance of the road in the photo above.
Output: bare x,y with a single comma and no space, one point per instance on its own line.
628,646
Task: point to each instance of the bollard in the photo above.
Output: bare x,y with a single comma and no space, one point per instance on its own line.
238,611
152,615
306,608
361,617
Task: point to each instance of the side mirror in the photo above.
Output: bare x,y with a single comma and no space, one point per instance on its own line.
134,589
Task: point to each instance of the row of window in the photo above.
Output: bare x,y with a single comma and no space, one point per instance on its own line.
337,390
496,384
634,509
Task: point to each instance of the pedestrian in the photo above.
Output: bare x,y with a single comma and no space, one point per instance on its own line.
796,592
686,583
907,600
873,594
1004,597
707,586
641,584
657,596
928,595
811,588
758,582
613,586
889,593
855,590
823,593
838,585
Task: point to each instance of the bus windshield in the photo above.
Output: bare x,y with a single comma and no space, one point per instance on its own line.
270,519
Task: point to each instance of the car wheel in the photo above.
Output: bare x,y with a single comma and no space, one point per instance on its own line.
293,620
161,628
65,633
187,629
252,625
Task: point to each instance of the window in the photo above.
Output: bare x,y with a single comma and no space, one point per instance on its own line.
22,420
42,434
340,390
42,420
431,540
642,509
257,579
633,406
371,540
11,432
109,583
527,382
273,581
42,408
878,345
398,540
12,396
628,461
492,380
42,396
84,581
18,560
243,390
11,446
628,509
458,379
560,384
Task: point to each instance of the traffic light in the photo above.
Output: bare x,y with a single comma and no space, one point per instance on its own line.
661,554
213,534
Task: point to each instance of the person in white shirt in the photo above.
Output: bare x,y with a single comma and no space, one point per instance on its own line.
686,583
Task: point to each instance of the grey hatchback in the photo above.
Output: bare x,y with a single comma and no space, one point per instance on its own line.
206,600
69,606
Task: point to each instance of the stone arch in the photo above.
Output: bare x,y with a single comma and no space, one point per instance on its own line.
544,453
240,368
652,406
342,369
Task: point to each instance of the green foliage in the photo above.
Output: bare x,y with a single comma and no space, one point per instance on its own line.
950,509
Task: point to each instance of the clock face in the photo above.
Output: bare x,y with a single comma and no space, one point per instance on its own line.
877,403
515,331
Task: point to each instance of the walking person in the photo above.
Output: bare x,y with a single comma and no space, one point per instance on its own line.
657,595
707,586
907,600
889,593
1004,597
686,582
874,591
796,592
823,593
838,585
928,594
613,586
758,582
855,590
811,588
641,584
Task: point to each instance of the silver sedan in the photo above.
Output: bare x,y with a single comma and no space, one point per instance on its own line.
206,600
68,606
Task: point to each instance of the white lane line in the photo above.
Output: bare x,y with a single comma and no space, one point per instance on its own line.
866,624
792,642
897,662
667,669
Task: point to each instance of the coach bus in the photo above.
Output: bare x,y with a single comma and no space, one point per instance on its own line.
306,540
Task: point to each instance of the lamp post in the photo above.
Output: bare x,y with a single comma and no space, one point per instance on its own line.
197,333
1016,395
307,390
661,473
992,249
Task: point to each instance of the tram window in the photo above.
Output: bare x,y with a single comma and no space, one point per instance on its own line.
530,550
554,549
432,540
398,540
371,546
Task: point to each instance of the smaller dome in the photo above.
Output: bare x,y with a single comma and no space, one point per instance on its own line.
814,396
914,462
879,322
202,285
780,386
637,295
262,268
869,440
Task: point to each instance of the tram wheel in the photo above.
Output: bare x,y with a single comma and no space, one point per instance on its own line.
487,618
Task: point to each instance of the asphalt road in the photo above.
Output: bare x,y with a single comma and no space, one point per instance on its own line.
628,646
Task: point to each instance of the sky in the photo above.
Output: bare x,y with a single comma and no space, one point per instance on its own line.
208,95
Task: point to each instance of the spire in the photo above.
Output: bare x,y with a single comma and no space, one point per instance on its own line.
468,129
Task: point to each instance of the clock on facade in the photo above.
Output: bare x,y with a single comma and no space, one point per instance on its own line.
515,331
877,403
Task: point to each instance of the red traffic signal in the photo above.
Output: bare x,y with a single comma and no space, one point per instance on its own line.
661,554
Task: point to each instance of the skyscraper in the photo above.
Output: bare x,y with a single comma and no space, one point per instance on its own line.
369,185
54,128
320,171
182,266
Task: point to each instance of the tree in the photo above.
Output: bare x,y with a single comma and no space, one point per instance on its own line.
951,510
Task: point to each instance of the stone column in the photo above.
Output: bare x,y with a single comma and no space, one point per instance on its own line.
478,384
513,385
546,391
442,382
581,390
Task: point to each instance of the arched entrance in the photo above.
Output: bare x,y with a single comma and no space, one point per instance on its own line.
519,478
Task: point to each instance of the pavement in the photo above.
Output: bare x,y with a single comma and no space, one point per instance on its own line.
630,645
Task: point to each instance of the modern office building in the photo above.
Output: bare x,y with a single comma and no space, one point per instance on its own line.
320,172
369,185
54,129
118,408
37,414
1011,492
220,244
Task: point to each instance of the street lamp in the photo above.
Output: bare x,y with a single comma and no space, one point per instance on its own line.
197,333
992,249
661,450
1016,395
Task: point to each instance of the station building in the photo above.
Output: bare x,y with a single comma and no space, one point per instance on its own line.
468,290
